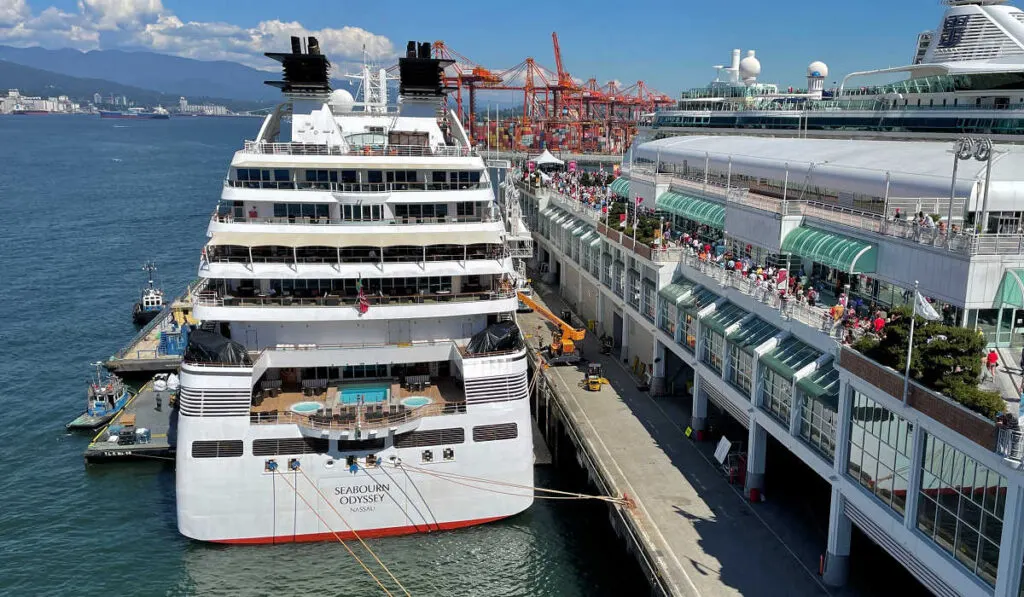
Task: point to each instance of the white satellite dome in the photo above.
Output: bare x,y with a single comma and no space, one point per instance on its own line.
750,67
341,97
817,69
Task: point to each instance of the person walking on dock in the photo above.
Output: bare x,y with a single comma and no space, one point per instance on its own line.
159,401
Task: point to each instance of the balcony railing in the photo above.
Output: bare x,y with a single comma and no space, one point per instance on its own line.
1010,444
260,147
215,299
326,221
816,316
352,418
355,187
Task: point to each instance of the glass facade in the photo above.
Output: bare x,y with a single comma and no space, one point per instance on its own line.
713,352
689,337
880,447
776,395
741,369
819,410
961,507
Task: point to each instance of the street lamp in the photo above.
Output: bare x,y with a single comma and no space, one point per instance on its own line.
981,150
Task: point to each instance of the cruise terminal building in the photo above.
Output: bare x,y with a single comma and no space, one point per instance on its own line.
937,486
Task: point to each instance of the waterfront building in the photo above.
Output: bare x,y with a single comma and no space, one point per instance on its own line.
938,486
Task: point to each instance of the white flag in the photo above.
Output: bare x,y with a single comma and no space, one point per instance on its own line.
924,308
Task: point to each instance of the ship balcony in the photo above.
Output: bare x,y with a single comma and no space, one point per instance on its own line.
322,301
219,221
355,187
362,410
388,150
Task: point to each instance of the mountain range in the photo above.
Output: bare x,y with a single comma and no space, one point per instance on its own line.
132,73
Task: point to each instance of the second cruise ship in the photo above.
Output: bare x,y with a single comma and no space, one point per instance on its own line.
359,369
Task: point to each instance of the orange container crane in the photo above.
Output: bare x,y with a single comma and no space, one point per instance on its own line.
464,73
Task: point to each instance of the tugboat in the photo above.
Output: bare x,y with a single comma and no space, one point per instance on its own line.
152,300
105,397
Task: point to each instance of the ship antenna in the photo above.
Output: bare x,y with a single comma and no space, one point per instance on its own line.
149,267
98,364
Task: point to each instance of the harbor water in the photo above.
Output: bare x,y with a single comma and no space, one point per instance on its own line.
85,203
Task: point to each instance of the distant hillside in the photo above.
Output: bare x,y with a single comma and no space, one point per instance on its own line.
34,81
159,72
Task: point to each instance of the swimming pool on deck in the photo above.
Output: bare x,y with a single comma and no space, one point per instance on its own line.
363,394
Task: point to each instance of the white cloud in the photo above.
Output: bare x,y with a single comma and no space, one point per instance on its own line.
148,25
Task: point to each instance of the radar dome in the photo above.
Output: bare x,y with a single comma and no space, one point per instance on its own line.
817,69
750,67
342,98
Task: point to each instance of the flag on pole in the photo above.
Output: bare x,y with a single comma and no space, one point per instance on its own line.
923,308
622,220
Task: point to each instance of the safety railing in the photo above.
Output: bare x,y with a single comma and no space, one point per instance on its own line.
350,418
213,299
326,221
1010,444
355,187
261,147
817,316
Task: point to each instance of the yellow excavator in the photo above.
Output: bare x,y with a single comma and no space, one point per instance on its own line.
563,343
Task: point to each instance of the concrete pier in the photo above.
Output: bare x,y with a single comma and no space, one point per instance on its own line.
693,533
150,410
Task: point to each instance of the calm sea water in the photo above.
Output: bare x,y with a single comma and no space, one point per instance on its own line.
83,202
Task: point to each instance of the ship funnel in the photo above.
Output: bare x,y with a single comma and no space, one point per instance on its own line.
296,45
314,46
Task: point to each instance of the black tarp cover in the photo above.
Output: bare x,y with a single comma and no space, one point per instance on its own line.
496,338
211,347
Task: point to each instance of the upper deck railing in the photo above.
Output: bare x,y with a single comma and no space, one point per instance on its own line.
295,148
216,299
326,221
964,243
355,187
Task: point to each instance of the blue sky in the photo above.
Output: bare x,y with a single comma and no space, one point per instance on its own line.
670,45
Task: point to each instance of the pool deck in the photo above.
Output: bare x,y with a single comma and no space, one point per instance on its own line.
441,392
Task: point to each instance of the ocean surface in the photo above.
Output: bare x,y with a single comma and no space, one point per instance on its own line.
83,203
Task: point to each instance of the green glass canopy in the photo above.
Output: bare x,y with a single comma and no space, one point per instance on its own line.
851,255
753,333
675,292
620,186
1011,289
789,357
692,208
823,383
697,300
723,317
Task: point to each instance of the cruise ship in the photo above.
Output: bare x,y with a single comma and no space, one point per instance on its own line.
965,77
359,370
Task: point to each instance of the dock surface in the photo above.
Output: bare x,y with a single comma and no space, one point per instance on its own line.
161,424
704,538
142,353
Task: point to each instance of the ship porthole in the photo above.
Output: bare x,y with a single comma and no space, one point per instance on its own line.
329,464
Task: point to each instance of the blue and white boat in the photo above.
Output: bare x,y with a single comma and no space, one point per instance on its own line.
105,397
151,302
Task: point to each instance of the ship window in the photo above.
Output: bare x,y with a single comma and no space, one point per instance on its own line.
227,448
490,433
438,176
374,176
433,437
474,177
465,209
282,175
349,176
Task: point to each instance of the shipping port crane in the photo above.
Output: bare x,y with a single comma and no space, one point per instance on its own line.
563,343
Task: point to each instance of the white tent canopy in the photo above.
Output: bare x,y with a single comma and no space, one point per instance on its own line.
546,158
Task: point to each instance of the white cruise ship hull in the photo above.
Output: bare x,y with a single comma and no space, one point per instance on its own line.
235,499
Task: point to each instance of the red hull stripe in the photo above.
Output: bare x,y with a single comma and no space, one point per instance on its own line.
367,534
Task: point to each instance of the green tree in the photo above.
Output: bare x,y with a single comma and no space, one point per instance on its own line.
946,359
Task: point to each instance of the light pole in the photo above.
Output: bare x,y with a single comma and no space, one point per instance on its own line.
965,149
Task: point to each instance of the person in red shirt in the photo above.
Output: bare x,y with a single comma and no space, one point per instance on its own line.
991,362
878,324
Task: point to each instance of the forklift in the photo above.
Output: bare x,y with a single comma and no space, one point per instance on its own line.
594,377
